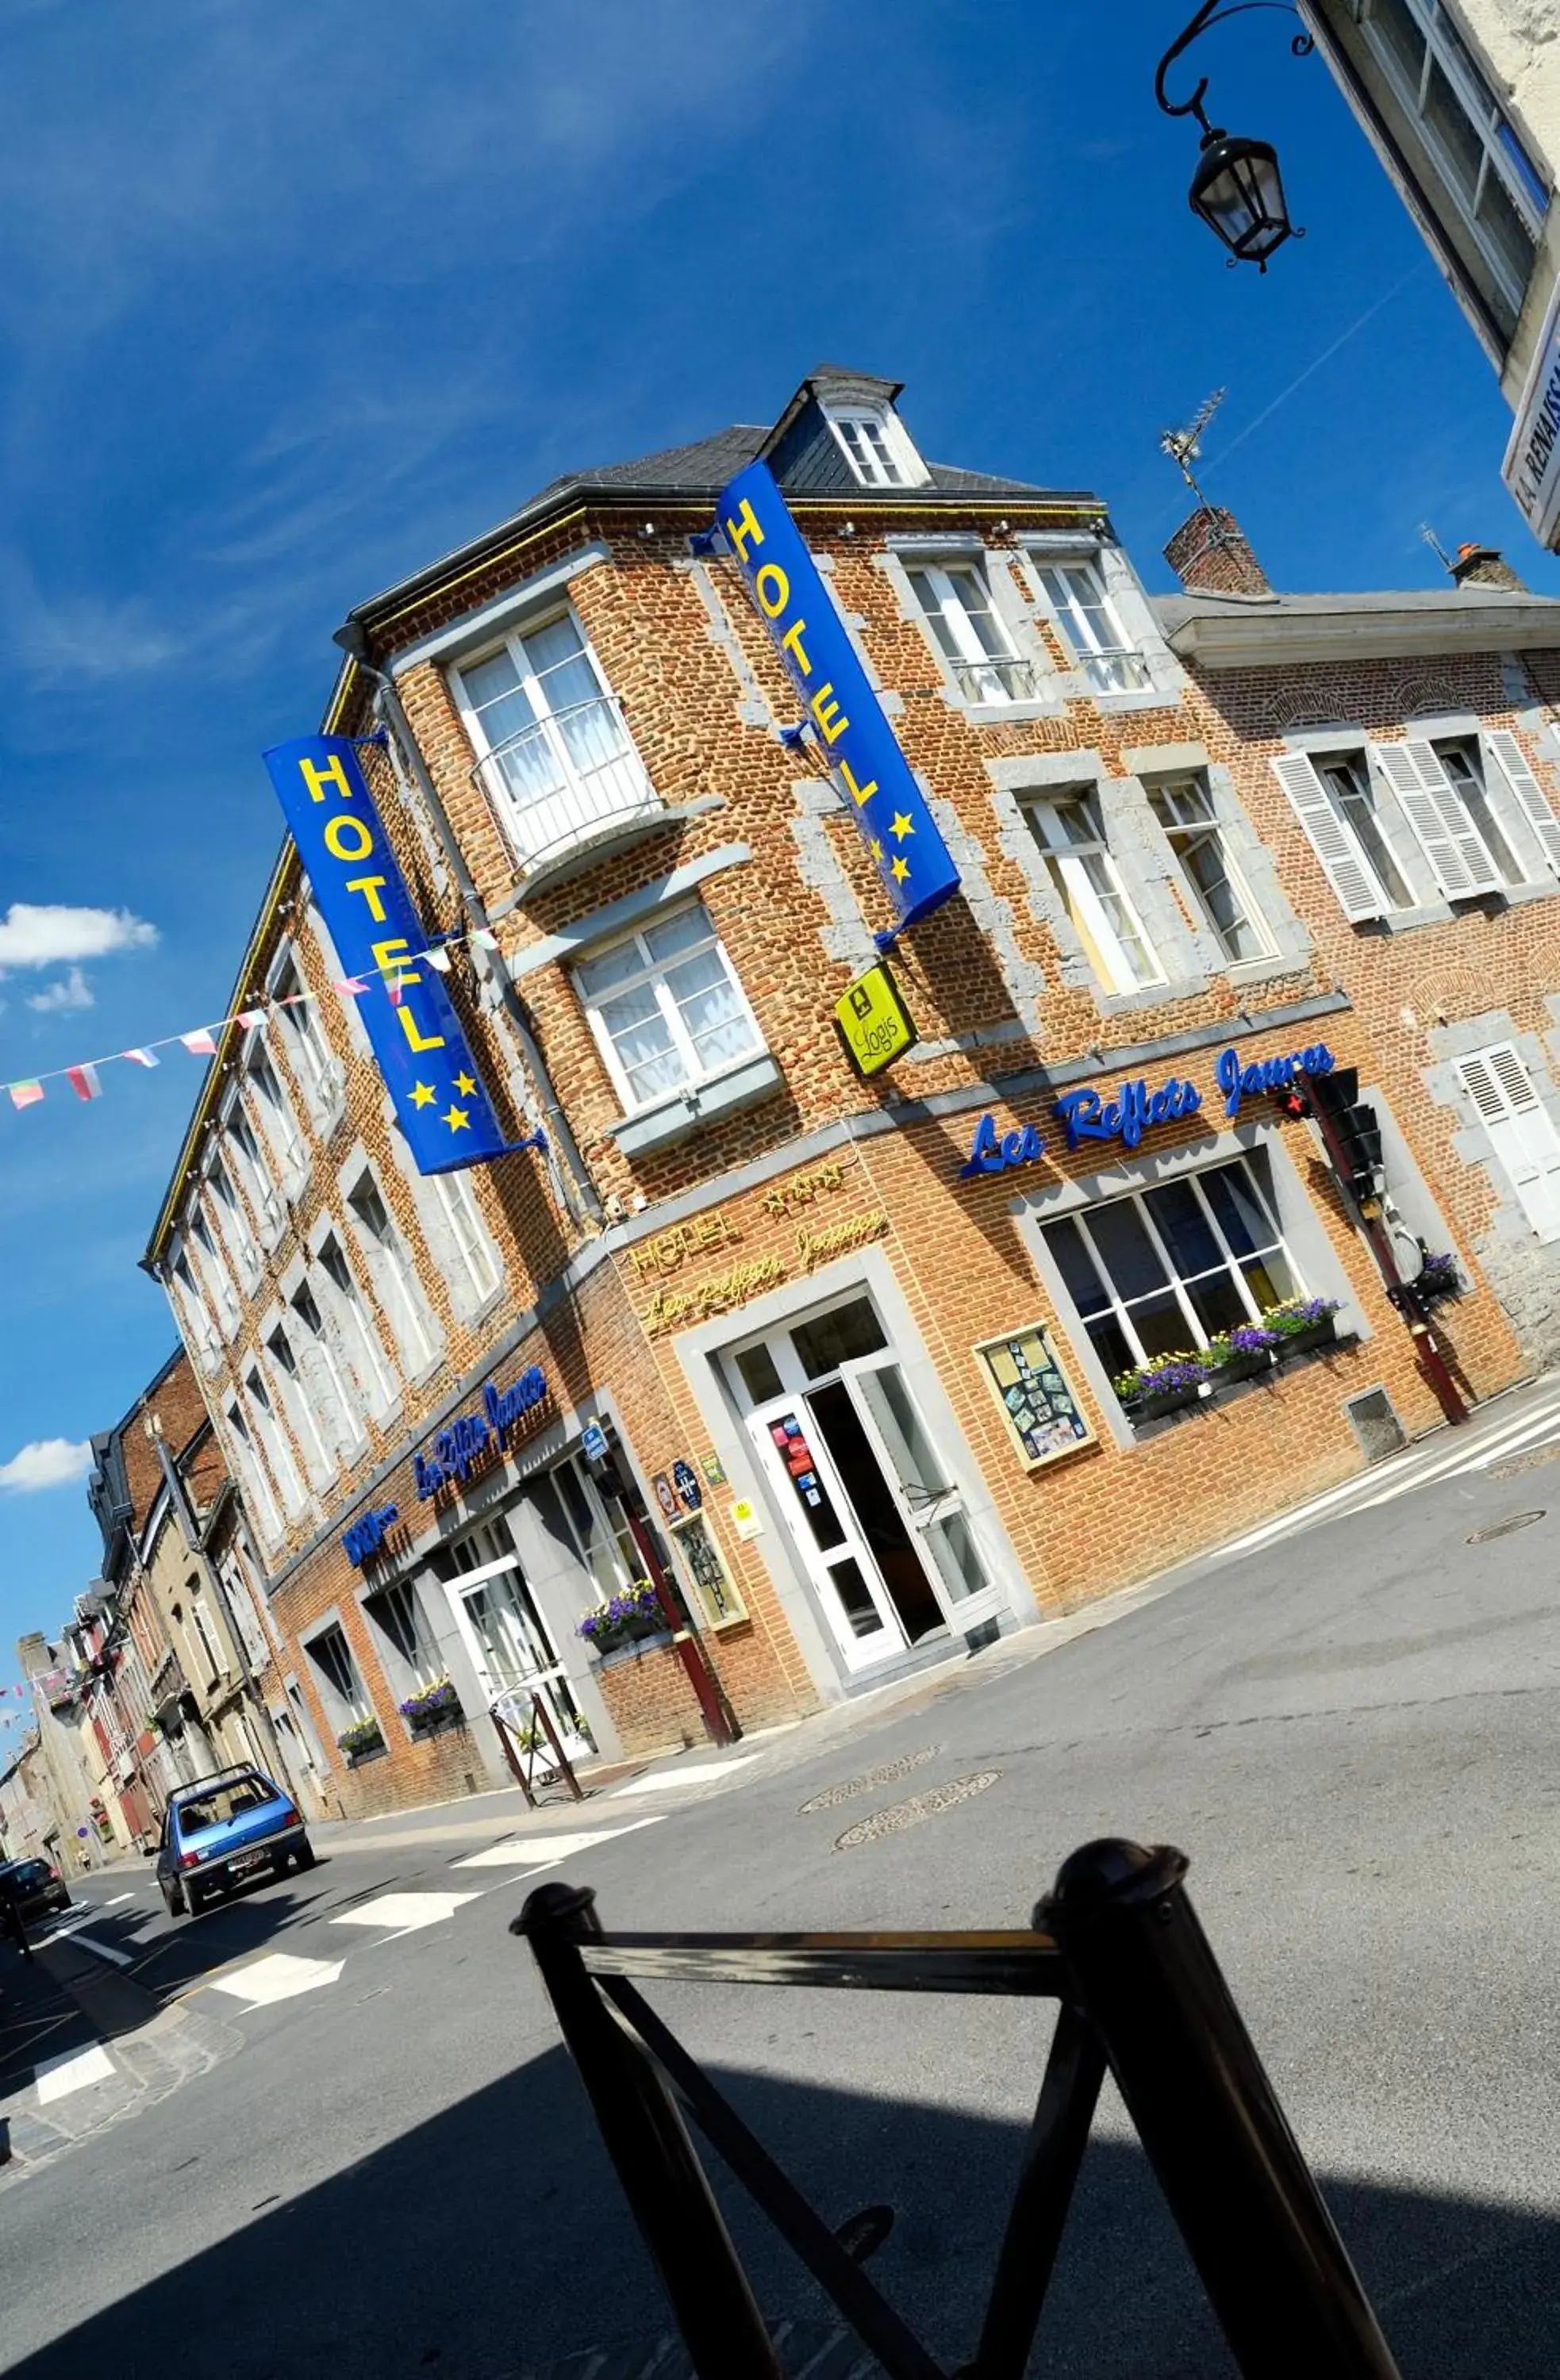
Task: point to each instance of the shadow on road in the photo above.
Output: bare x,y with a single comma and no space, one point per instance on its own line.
493,2242
167,1955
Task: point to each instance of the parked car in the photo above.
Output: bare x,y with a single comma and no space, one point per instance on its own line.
34,1887
223,1829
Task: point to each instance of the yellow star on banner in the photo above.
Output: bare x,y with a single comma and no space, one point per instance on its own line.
422,1095
465,1087
875,848
901,826
456,1118
899,871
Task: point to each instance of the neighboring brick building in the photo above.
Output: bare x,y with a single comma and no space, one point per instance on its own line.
850,1349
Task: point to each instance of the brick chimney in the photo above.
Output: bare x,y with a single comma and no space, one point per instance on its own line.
1209,556
1485,566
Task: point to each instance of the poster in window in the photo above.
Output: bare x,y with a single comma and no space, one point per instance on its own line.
718,1599
1034,1395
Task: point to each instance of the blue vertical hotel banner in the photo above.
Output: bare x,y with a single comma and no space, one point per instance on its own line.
417,1039
837,701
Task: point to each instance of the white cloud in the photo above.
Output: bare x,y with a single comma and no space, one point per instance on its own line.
47,1463
67,992
48,933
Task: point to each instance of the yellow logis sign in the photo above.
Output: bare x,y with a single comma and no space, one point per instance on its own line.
873,1022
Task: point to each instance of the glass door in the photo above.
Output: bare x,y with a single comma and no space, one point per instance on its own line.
930,1498
810,1493
507,1637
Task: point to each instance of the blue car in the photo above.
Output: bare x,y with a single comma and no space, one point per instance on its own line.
224,1829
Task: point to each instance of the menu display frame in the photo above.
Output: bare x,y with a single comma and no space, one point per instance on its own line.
1029,1404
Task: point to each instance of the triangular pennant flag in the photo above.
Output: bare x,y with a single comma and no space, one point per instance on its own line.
484,938
25,1095
395,986
351,989
199,1044
438,961
248,1017
140,1057
83,1081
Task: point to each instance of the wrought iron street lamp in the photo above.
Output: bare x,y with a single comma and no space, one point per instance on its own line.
1237,189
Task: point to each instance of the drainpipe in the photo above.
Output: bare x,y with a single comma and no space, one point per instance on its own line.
352,637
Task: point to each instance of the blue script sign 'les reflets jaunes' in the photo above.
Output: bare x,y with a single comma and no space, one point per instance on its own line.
417,1038
1239,1082
1128,1113
838,705
467,1439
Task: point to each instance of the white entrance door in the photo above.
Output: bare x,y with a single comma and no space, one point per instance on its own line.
876,1512
929,1497
507,1639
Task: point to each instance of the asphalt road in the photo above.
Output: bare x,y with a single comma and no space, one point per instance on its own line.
393,2172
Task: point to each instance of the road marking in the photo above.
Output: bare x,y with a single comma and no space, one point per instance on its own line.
117,1899
405,1913
545,1851
57,2077
277,1977
102,1949
701,1773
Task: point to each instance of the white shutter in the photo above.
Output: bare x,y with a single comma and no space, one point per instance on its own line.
1439,818
1521,1130
1501,746
1345,865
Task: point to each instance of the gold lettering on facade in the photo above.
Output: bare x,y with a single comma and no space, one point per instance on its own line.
670,1308
838,1239
803,1188
666,1251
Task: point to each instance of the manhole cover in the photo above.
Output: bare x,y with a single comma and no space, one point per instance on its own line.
930,1804
1504,1528
889,1774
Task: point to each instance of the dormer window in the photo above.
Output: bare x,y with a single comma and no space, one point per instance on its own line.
875,446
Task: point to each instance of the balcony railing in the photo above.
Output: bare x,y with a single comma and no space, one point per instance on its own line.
996,681
566,783
1116,670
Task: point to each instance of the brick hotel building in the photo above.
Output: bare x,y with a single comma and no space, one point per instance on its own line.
848,1347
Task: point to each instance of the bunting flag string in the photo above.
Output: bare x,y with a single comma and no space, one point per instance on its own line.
201,1040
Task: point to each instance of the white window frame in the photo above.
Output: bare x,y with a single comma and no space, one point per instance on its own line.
1331,833
210,1262
511,813
1496,836
294,1400
898,467
311,1059
190,1307
392,1272
984,678
1121,668
1121,1309
682,1040
468,1235
353,1699
1064,859
1499,1087
279,1121
273,1438
268,1511
348,1408
1486,116
425,1665
376,1377
1500,747
1181,833
214,1662
233,1219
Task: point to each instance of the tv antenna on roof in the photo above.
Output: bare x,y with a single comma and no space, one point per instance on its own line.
1443,557
1184,446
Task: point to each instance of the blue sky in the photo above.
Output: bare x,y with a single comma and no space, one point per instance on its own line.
295,299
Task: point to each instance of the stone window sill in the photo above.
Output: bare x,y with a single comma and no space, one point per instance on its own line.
677,1119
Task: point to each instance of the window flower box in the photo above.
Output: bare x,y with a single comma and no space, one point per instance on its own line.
1302,1323
434,1707
364,1742
1438,1278
625,1618
1162,1387
1243,1352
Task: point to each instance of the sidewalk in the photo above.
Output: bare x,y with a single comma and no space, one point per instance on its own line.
1519,1417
